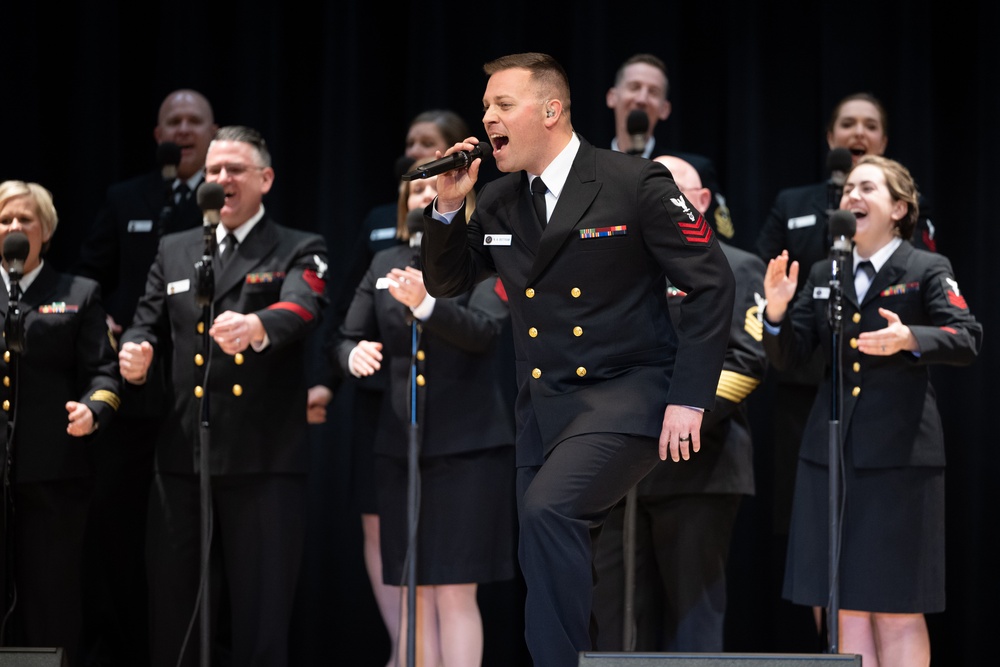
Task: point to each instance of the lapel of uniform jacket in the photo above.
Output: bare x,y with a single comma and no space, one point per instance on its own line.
891,271
578,194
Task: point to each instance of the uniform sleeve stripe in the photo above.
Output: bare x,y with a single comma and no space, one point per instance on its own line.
735,387
105,396
293,307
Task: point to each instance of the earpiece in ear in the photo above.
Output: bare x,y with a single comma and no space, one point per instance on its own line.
550,113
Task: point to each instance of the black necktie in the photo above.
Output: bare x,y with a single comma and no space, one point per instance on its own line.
228,250
181,193
861,285
538,199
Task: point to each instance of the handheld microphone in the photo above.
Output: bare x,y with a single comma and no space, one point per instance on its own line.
843,224
16,248
168,156
457,160
637,125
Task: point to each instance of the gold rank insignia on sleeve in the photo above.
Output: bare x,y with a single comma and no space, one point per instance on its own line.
105,396
735,387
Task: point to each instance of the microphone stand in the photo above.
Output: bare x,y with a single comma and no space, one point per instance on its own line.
205,295
628,556
835,316
412,506
14,336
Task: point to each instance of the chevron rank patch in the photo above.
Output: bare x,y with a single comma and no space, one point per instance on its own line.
955,297
694,229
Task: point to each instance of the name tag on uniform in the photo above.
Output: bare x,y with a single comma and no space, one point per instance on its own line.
497,239
821,292
179,286
382,234
802,221
140,226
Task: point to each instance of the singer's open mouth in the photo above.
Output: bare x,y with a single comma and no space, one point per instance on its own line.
498,141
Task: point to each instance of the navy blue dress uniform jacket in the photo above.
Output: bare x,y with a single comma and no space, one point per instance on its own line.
460,407
68,356
799,222
256,399
889,411
594,344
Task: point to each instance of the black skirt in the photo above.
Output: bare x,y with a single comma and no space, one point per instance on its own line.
892,556
467,517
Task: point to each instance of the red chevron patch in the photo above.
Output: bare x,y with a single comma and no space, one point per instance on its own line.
313,279
698,232
957,300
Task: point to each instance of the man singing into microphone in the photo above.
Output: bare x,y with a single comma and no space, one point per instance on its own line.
582,239
641,87
269,292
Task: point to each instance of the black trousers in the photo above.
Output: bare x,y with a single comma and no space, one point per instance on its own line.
681,551
258,537
561,506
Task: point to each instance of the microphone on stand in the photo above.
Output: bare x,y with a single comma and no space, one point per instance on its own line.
843,224
637,125
211,199
838,163
16,248
168,156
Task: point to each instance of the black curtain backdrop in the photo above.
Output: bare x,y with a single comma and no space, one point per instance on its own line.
332,86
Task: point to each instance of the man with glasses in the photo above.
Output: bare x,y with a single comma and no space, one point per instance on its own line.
244,379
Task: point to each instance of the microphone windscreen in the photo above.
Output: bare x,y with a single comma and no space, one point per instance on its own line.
839,159
211,197
484,149
415,220
16,247
843,223
168,153
403,164
637,122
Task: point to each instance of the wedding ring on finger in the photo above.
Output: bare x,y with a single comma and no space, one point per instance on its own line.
686,438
